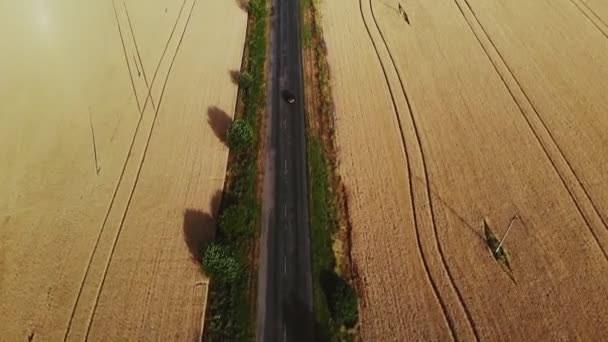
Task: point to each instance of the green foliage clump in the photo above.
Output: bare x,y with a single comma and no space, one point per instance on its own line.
245,80
341,298
240,136
231,317
236,222
220,263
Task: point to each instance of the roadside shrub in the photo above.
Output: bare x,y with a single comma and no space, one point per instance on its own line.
245,80
243,187
221,264
240,136
236,222
256,9
230,304
341,298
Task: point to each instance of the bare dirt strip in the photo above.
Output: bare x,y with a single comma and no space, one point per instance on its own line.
109,188
474,149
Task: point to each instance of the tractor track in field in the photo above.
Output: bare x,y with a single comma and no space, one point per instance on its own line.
545,128
593,17
143,70
115,191
434,286
143,158
129,154
446,314
149,96
423,160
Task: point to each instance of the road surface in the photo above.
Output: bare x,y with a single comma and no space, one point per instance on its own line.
285,283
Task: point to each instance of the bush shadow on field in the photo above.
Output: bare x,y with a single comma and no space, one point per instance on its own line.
219,121
235,75
243,4
199,228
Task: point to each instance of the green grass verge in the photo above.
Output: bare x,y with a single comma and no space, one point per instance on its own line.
322,226
230,312
306,28
306,34
334,299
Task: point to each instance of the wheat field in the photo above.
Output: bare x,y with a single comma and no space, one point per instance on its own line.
110,133
472,110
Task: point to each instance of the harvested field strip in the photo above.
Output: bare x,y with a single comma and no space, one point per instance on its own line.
428,198
547,142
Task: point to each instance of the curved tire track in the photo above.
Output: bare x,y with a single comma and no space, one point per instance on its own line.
426,180
430,278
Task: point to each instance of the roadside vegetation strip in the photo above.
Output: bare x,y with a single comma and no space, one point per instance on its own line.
228,260
334,298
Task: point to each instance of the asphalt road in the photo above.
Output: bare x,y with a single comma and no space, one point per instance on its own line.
285,281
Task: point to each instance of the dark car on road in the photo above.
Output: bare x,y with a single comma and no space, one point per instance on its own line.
288,96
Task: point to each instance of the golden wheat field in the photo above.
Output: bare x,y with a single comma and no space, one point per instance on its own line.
111,128
459,112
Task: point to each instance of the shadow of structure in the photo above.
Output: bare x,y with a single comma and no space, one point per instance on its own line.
219,121
199,228
455,213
